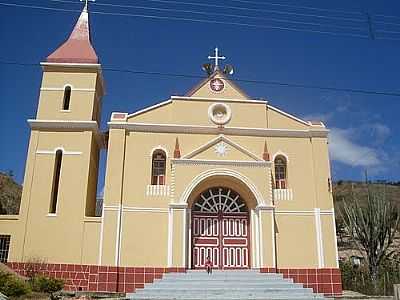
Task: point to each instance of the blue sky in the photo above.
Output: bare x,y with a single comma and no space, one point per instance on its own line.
364,128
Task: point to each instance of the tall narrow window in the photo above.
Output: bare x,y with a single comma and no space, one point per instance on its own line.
158,168
4,247
56,182
67,97
280,172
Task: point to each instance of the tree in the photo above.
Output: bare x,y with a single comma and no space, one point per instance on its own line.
372,226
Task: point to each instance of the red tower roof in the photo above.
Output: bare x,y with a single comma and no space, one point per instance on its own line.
77,48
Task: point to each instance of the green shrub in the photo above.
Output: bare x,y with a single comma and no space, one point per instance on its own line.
10,285
47,284
358,279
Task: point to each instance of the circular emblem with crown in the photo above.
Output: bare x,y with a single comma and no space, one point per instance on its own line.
217,85
219,113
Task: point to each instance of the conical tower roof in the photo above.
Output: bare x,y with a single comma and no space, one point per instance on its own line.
77,48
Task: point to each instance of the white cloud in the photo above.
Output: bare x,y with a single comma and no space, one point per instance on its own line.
343,149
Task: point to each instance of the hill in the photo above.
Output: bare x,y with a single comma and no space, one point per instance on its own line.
10,194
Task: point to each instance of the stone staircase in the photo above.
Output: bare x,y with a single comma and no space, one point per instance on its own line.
224,285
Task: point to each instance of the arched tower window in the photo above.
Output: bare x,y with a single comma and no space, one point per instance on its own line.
280,172
158,168
56,182
67,98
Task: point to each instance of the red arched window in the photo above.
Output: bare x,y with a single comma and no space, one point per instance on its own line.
280,172
158,168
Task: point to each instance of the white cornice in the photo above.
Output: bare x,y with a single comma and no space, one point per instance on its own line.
209,99
289,115
178,205
71,65
240,131
139,112
212,162
63,124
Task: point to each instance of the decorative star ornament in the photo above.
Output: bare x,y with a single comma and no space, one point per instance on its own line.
221,149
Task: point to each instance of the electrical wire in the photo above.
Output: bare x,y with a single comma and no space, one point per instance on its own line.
218,14
298,7
146,16
264,82
256,10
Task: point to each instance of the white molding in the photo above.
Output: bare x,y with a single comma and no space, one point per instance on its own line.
144,209
273,241
280,153
303,212
178,205
63,124
252,101
101,236
52,215
52,152
221,172
215,162
216,140
54,89
139,112
261,244
159,147
283,194
170,235
189,237
288,115
184,229
71,65
157,190
117,236
253,242
225,119
110,207
239,131
320,246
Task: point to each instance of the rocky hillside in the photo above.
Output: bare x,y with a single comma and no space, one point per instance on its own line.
10,195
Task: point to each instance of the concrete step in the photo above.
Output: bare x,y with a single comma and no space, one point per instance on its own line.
219,284
224,285
224,297
230,292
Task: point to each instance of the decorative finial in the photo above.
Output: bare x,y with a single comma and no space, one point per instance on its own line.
85,8
216,58
265,153
177,150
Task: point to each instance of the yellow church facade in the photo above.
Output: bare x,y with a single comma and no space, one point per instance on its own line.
211,174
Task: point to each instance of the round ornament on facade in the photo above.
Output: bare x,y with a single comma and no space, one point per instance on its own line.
219,113
217,85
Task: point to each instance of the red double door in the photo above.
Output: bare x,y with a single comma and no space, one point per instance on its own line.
223,237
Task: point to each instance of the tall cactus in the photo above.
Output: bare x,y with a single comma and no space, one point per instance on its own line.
372,226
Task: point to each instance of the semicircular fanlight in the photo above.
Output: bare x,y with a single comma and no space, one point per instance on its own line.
220,199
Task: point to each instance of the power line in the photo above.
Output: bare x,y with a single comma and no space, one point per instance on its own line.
298,7
264,82
218,14
256,10
147,16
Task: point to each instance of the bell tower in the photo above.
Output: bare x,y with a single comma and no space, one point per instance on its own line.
60,183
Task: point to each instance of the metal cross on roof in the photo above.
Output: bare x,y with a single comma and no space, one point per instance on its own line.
86,3
216,58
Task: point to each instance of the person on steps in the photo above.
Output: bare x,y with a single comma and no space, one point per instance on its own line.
208,265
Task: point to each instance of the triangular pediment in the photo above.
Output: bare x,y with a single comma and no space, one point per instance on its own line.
222,148
217,85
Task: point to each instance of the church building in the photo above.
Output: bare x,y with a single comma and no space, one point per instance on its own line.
213,173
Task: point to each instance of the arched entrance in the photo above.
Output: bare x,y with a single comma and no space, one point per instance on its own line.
220,229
